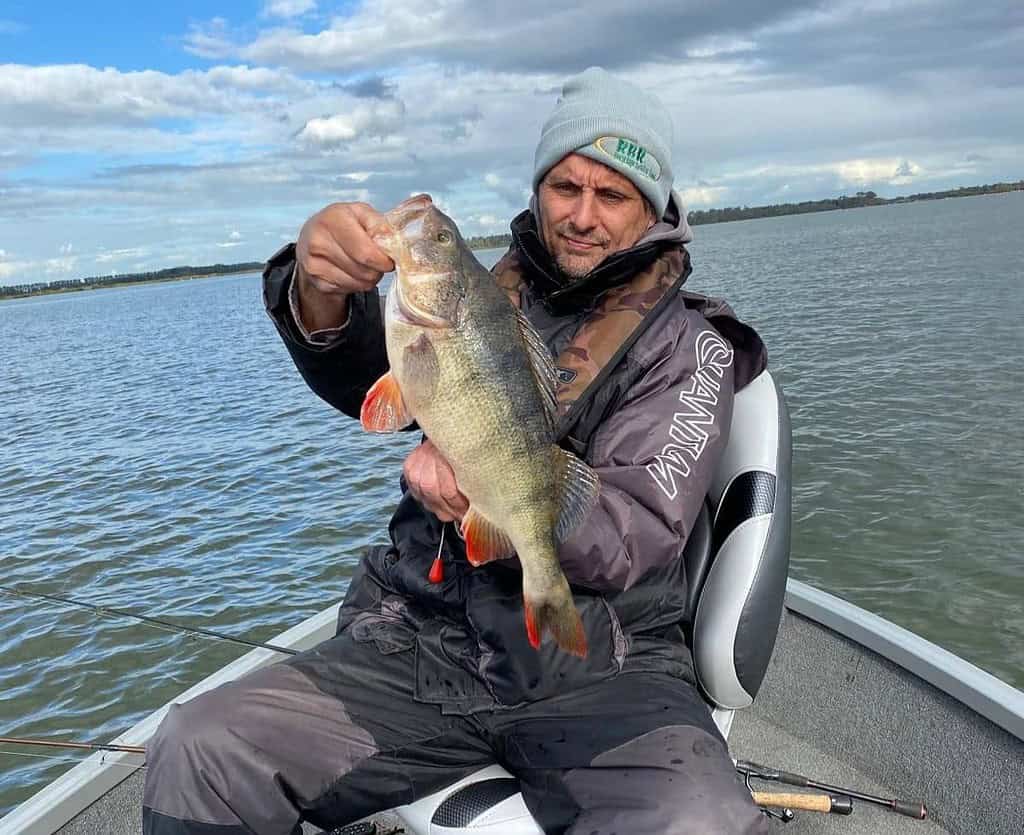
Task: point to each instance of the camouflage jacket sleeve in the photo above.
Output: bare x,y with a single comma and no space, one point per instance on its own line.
340,369
655,454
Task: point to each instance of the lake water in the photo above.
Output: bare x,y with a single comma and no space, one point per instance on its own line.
161,454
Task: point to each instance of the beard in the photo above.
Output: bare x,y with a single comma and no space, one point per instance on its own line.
577,265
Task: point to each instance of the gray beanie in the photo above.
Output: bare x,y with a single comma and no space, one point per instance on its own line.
615,123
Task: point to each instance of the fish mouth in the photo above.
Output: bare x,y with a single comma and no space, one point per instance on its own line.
401,221
408,211
400,225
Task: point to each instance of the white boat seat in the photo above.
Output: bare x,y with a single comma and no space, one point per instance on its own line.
737,560
485,803
739,586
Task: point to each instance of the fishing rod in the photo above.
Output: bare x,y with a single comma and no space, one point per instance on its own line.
910,808
81,746
105,611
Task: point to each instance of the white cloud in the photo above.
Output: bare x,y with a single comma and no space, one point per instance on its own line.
30,271
210,39
378,119
700,196
488,223
865,172
64,264
715,46
905,173
53,95
513,191
108,256
287,8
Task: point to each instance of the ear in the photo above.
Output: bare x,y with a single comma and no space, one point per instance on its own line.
652,217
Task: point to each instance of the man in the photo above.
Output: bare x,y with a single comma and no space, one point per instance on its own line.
431,676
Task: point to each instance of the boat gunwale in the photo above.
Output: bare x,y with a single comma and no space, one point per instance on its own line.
59,802
964,682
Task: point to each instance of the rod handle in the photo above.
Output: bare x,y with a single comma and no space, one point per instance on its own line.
803,802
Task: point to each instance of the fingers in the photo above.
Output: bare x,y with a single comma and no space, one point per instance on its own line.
432,481
365,250
336,252
454,502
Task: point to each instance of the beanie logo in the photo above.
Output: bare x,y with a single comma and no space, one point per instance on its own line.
631,154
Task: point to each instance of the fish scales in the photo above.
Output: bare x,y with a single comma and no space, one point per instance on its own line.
462,367
497,419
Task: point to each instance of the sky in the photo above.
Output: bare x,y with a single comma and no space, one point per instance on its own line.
141,136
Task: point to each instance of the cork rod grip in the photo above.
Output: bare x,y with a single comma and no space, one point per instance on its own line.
804,802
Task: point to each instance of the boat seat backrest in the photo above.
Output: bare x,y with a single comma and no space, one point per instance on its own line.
737,557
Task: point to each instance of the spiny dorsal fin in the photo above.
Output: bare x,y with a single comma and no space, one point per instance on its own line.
578,489
543,367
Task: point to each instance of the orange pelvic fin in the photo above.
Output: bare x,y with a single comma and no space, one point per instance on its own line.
484,541
384,410
562,621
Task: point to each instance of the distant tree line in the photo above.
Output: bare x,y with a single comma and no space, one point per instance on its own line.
489,241
92,282
696,218
861,198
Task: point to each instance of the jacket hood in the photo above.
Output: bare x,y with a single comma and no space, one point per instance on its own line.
562,293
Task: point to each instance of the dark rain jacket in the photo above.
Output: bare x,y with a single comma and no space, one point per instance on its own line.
653,431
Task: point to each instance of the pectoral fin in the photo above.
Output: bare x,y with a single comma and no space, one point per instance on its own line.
484,541
578,490
384,410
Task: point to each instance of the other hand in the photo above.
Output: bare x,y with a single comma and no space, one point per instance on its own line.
335,257
432,481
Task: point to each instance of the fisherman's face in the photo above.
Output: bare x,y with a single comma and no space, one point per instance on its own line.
587,212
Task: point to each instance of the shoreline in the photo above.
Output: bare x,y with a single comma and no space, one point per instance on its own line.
699,217
113,285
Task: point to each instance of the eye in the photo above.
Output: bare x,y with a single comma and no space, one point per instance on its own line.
444,237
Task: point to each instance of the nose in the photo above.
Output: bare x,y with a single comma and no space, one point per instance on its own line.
584,217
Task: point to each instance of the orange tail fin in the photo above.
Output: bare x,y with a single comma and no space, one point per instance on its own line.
558,616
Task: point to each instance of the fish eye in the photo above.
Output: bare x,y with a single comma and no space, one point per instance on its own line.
444,237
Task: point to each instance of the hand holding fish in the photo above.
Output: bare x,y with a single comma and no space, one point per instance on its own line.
431,480
335,257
